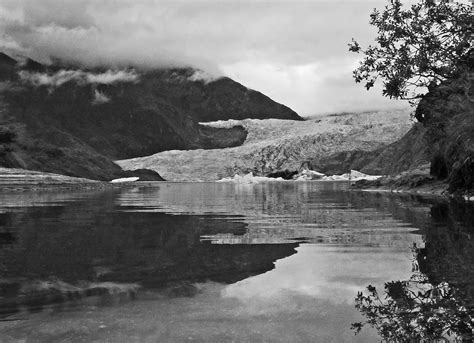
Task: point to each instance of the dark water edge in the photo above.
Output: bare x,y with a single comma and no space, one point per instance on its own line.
437,302
63,251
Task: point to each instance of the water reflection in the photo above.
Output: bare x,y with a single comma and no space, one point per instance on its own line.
416,310
283,212
324,272
90,241
217,262
437,302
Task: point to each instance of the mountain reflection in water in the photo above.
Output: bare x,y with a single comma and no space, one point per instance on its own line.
216,262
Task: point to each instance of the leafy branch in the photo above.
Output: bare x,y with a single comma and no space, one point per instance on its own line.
405,314
416,48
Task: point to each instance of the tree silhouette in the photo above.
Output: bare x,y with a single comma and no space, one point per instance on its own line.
415,311
416,48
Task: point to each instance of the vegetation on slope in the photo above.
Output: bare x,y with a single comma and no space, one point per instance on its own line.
77,122
426,47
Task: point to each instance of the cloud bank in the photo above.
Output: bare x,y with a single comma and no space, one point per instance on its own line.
59,78
294,51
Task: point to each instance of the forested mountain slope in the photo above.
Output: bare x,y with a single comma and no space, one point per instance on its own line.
75,121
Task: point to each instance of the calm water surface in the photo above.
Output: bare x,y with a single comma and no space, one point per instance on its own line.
216,262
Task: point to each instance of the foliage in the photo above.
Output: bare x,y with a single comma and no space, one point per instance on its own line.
408,313
7,134
416,47
7,137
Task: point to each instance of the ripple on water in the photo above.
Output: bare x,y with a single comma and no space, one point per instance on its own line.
214,261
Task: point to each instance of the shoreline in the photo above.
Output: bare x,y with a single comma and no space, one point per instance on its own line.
22,180
414,191
424,187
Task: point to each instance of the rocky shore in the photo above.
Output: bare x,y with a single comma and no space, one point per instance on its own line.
437,155
415,182
418,181
12,179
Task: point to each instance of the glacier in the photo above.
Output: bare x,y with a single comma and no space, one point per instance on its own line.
274,145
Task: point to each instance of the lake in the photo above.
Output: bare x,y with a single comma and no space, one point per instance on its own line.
221,262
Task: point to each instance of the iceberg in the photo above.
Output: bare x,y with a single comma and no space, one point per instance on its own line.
307,174
304,175
354,175
125,179
249,179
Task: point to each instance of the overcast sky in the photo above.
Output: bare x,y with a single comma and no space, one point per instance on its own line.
293,51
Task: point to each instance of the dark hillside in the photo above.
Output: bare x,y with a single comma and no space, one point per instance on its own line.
77,122
443,140
213,99
448,114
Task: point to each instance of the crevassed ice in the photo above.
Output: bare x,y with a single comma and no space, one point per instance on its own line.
275,145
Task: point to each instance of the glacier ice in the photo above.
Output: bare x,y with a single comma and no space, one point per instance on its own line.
354,175
304,175
249,179
125,179
274,145
307,174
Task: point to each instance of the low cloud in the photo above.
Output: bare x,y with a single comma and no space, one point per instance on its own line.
205,34
234,39
111,76
100,98
200,75
59,78
313,89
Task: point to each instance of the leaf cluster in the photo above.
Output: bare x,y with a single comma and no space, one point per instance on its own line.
416,47
408,314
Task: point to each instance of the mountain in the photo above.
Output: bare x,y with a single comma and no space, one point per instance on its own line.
76,121
437,151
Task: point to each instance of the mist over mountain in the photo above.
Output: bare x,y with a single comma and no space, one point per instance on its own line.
75,120
286,49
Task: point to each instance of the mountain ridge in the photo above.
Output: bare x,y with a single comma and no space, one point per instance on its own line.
77,121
